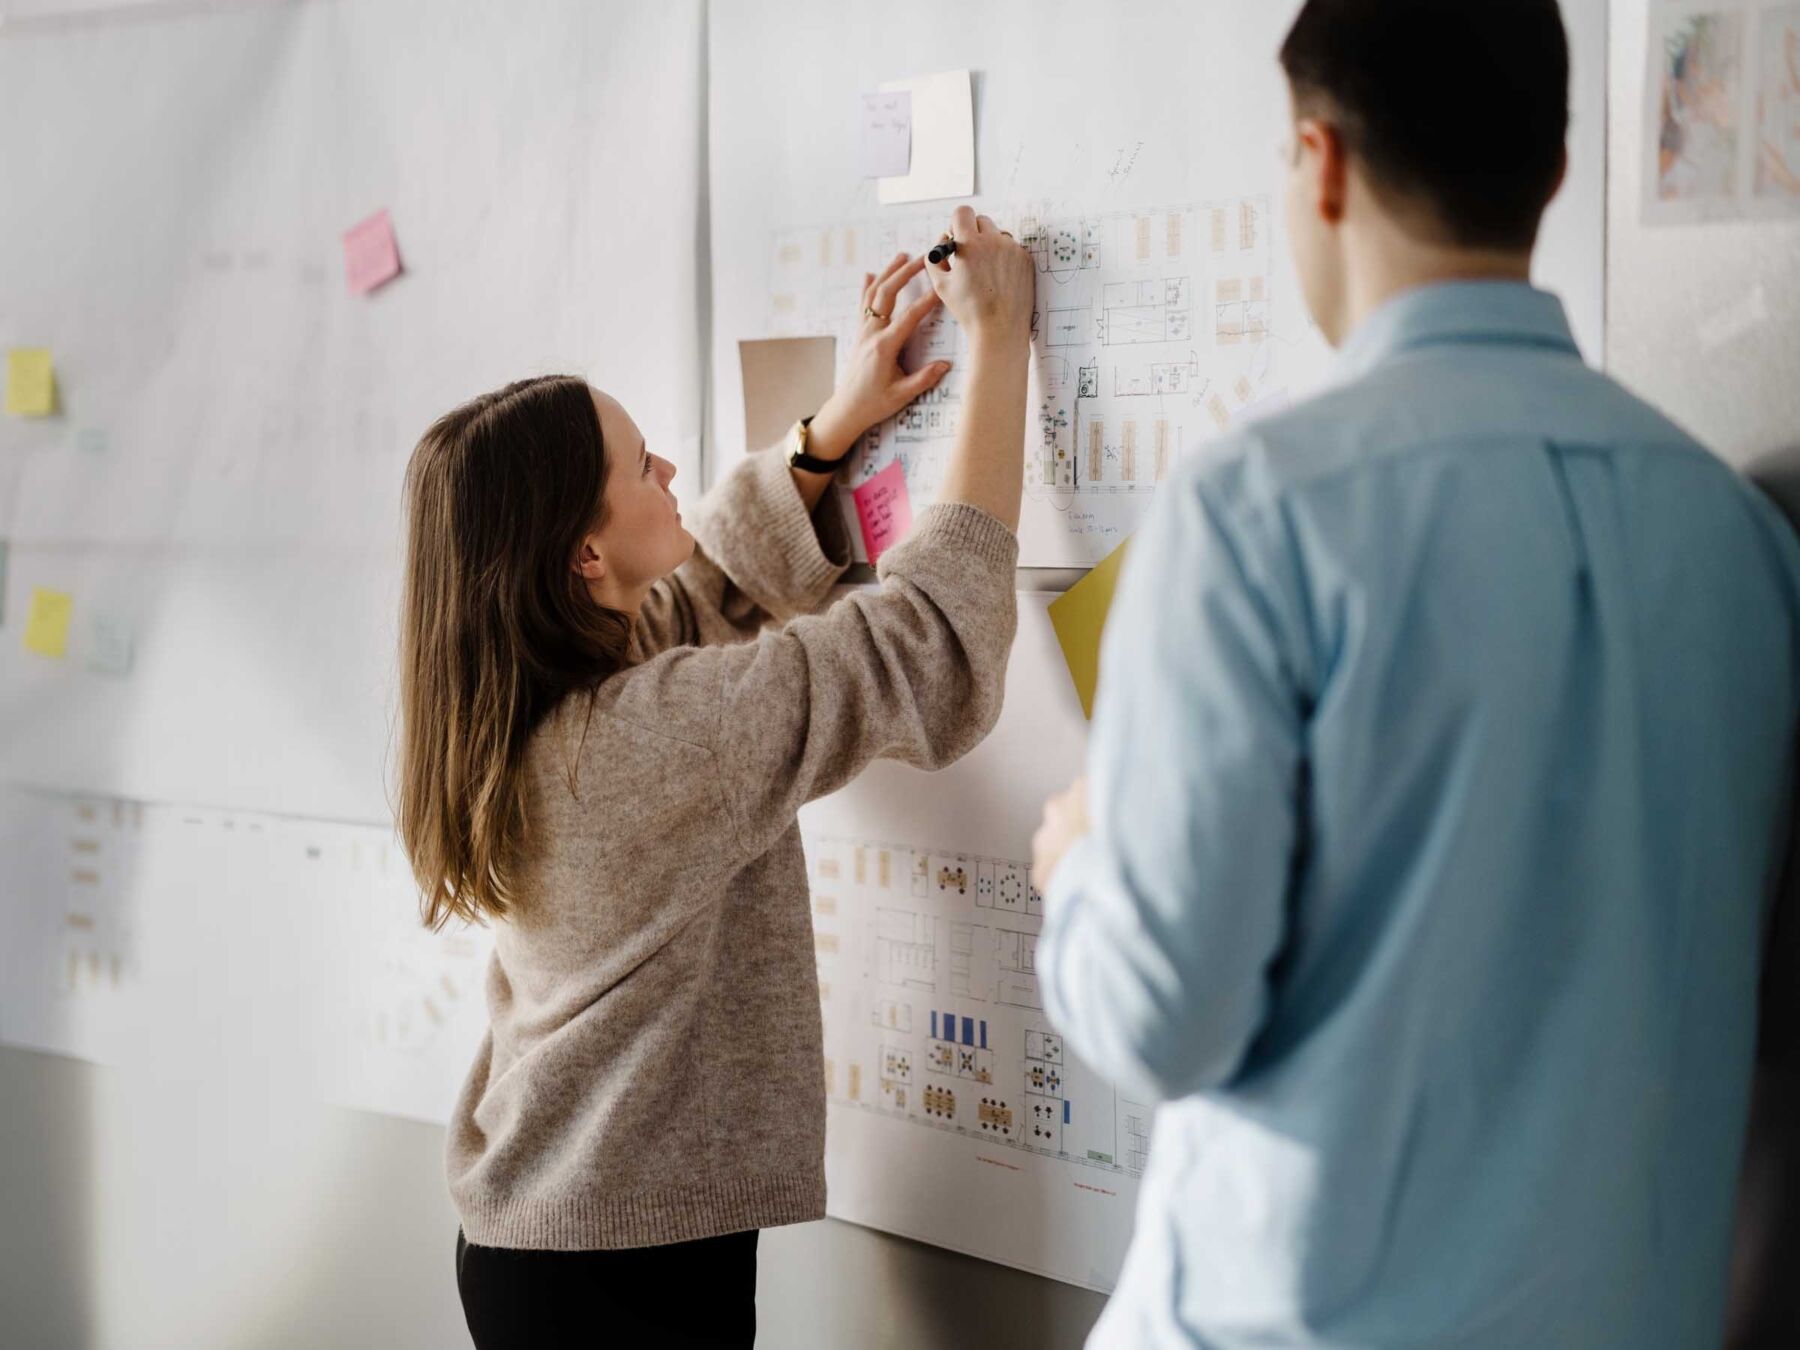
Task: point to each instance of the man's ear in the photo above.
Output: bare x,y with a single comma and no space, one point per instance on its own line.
589,565
1323,159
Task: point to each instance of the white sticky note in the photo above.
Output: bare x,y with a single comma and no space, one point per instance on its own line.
884,135
943,140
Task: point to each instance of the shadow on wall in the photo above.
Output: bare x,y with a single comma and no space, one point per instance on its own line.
46,1175
821,1286
1765,1300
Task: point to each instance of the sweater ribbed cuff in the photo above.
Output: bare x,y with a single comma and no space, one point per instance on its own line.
646,1219
966,531
803,542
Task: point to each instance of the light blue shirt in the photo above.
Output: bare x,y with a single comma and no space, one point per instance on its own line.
1439,778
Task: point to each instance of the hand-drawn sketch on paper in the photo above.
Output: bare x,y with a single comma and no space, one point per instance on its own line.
1694,112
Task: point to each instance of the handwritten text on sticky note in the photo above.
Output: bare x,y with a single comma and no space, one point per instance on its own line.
30,382
884,146
884,510
47,626
371,255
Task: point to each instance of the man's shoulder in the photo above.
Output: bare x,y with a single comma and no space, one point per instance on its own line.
1254,465
1408,410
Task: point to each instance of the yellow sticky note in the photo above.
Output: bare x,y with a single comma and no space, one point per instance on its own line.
1079,617
47,626
30,382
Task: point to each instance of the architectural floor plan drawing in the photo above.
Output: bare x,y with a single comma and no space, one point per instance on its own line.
934,1021
1152,335
414,1007
155,912
97,948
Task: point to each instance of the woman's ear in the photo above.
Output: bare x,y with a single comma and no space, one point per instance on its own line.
588,564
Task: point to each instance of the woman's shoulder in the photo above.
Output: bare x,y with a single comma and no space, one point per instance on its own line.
603,756
665,709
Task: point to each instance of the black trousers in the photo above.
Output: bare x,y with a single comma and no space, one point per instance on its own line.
685,1296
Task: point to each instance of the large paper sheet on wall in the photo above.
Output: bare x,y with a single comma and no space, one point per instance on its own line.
221,480
203,944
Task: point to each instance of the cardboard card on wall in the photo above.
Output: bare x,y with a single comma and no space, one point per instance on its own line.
785,379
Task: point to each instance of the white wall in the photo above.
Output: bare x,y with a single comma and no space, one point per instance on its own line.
1703,320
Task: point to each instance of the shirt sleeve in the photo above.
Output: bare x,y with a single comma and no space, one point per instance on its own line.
912,670
1161,924
759,558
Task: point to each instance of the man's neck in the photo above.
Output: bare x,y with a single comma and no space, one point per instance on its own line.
1387,267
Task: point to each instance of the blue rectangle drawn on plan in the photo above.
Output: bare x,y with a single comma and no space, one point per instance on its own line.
984,1035
968,1037
1065,1113
934,1035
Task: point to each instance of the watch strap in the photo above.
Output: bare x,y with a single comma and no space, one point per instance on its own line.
797,457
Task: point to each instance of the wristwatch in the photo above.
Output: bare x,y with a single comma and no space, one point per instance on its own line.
797,458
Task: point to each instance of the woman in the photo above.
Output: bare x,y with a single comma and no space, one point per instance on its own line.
609,726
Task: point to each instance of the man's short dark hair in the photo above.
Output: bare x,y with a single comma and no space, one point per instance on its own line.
1459,106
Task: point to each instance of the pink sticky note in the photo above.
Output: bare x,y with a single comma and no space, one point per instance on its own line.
883,510
371,256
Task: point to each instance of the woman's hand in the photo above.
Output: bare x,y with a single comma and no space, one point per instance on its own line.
989,284
874,387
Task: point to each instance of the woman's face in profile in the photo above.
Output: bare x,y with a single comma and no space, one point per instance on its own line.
641,535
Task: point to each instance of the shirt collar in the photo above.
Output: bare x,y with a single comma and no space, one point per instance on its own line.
1466,312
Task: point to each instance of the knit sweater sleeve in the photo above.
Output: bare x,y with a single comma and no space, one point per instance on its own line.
759,557
911,670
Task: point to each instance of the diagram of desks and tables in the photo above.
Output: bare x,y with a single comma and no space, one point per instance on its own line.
934,1024
1152,335
307,931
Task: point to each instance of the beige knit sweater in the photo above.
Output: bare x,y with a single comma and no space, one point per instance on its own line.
653,1071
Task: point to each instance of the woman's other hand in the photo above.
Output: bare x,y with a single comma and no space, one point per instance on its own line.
989,284
874,387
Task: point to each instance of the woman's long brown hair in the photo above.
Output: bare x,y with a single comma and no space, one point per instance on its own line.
496,628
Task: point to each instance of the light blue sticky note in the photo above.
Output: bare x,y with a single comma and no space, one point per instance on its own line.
110,645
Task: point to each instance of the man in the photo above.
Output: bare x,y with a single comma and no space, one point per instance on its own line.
1439,777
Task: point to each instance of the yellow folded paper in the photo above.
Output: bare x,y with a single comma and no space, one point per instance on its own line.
1079,617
